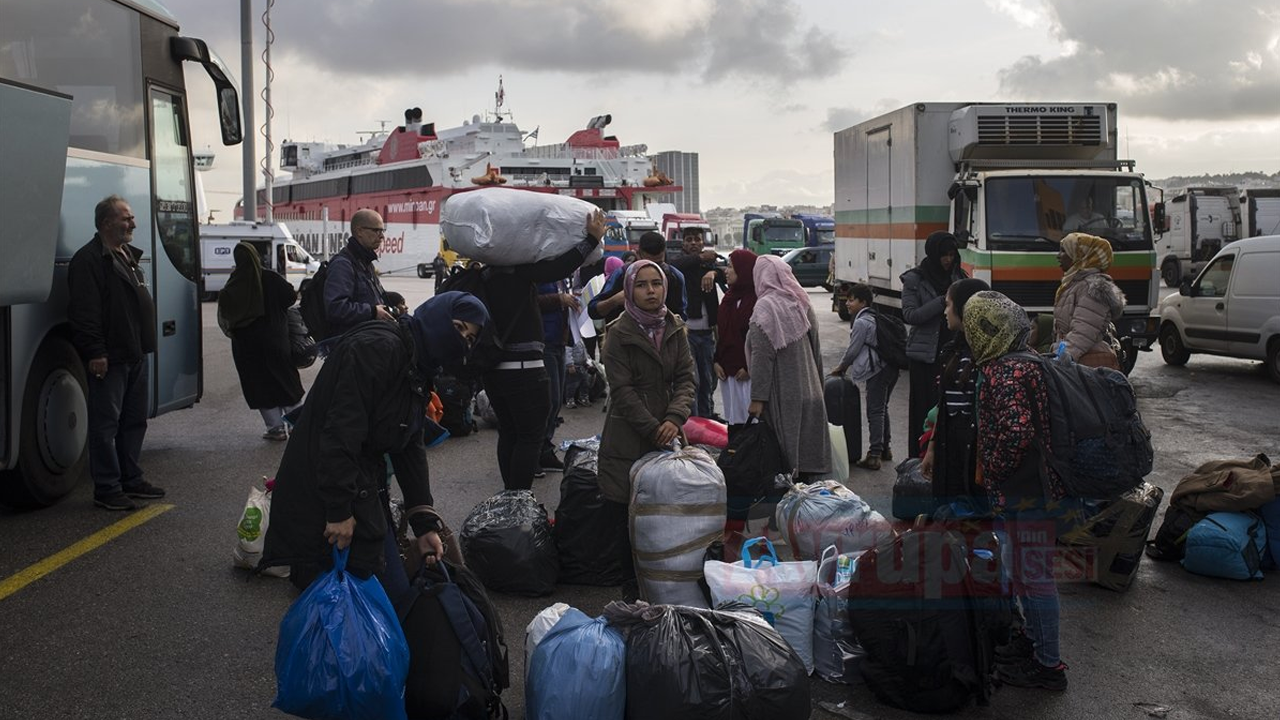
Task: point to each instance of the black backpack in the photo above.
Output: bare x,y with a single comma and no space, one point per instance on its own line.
1098,444
1170,543
456,395
457,653
302,347
891,340
488,347
311,304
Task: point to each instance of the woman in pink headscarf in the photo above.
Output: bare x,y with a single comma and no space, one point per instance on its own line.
784,359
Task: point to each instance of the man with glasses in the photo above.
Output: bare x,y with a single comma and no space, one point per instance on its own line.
113,327
352,292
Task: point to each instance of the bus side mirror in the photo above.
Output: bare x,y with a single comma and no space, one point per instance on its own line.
962,238
1159,221
196,50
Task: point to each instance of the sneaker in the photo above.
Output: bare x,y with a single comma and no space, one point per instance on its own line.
1031,674
144,490
116,501
870,462
570,404
584,401
277,433
1019,648
551,462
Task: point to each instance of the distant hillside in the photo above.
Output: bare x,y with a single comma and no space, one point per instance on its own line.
1239,180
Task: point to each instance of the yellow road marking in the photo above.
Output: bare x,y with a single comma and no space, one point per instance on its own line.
23,578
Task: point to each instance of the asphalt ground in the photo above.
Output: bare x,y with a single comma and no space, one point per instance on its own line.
156,623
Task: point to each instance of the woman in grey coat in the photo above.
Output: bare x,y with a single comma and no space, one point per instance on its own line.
924,304
784,359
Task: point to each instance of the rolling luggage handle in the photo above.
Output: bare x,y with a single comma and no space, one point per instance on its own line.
771,555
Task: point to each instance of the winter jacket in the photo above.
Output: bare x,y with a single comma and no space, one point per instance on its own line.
699,304
511,295
1012,404
1084,310
925,310
861,360
646,388
1228,486
263,353
615,283
366,403
352,291
111,312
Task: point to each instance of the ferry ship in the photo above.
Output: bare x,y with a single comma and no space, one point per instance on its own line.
408,173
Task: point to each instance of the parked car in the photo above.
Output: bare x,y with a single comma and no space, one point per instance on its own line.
810,264
1232,308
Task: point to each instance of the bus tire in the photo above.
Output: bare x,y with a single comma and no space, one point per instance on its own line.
52,447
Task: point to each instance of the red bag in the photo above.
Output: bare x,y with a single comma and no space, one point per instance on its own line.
701,431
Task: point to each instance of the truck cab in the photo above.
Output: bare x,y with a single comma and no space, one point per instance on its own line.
818,229
771,234
275,244
624,230
1260,212
1199,222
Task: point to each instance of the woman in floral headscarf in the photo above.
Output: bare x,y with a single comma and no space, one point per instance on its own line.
1013,426
1087,301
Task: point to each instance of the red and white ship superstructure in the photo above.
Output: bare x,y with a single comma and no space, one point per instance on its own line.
408,173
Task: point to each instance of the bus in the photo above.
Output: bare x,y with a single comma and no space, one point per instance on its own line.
92,103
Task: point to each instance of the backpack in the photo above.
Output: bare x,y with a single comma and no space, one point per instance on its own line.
751,461
1098,444
488,346
311,304
302,347
456,395
457,653
1227,545
1169,543
929,649
891,340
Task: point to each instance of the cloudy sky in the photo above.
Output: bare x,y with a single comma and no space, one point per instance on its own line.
757,87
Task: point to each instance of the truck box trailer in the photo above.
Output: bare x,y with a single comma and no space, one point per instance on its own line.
1009,180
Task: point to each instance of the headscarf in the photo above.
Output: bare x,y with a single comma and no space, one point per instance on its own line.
734,315
782,306
240,302
653,323
438,341
994,326
937,245
961,290
611,265
1087,252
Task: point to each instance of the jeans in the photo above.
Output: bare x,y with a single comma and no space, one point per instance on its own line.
1032,540
879,388
520,399
702,344
553,356
117,425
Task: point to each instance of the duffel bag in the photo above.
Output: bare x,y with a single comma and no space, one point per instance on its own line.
1227,545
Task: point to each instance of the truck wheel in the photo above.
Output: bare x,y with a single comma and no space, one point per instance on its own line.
423,272
1128,355
1171,272
1273,359
1171,347
843,311
52,453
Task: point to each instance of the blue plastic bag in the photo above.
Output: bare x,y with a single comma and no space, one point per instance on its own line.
341,653
579,670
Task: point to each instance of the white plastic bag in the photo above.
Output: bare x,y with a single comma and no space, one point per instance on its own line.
538,628
839,452
504,226
824,513
783,592
251,532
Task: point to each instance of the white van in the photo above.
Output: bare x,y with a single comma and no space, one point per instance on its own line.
1232,308
275,244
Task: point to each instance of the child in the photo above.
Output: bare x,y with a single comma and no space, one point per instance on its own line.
576,384
862,358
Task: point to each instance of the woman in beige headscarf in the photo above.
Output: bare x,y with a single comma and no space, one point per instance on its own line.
1088,301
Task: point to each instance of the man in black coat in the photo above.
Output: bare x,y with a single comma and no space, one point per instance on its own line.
352,292
367,404
607,305
113,327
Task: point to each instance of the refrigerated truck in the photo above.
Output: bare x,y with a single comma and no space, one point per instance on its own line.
1009,180
1199,221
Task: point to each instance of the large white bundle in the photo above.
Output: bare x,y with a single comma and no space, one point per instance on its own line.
813,517
677,510
504,226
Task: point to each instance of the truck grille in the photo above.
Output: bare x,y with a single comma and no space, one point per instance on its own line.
1040,130
1039,293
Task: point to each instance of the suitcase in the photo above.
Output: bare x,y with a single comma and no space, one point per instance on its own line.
1105,542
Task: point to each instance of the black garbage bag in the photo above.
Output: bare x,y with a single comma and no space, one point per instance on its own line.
687,663
912,492
507,542
586,542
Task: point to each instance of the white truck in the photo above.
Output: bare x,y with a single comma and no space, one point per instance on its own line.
1009,180
275,244
1260,212
1198,222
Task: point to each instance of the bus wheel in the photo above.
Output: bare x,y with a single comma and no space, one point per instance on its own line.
1171,272
52,453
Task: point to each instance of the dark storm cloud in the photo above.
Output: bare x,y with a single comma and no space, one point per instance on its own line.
1175,59
403,38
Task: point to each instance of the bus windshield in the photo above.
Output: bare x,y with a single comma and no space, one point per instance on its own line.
1034,213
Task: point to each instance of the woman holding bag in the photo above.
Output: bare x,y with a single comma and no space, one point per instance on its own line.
651,385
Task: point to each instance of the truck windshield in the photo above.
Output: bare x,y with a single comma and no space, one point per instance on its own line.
784,233
1026,213
823,237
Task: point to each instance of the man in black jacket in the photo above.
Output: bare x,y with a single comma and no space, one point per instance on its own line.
518,387
113,327
701,277
608,303
352,292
